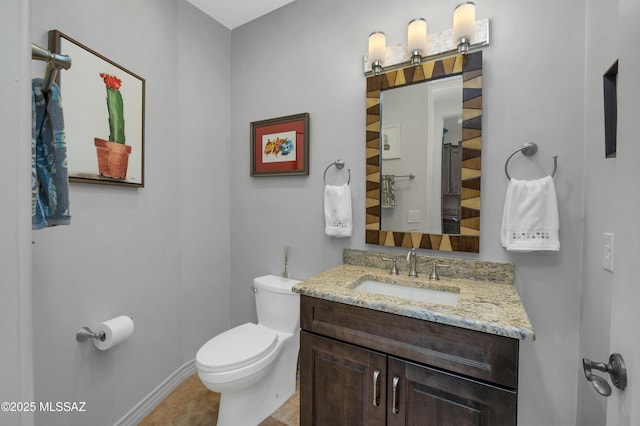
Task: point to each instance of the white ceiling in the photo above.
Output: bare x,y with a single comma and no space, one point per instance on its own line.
233,13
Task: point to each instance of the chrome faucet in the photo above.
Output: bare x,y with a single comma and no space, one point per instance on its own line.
412,260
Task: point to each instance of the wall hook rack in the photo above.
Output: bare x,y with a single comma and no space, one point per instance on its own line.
55,62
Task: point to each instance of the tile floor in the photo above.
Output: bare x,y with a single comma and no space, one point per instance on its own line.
192,404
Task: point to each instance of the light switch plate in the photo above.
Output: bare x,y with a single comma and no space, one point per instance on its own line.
607,252
414,216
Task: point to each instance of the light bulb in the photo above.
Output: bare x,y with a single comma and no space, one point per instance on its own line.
377,50
464,20
417,39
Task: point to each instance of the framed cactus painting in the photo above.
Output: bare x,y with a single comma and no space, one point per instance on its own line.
103,106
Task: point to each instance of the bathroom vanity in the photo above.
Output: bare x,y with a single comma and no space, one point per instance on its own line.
374,359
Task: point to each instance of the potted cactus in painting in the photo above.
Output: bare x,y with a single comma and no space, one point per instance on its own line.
113,154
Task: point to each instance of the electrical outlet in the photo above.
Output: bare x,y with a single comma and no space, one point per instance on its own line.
414,216
607,252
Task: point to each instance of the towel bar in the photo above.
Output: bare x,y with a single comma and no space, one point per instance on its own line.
410,176
55,62
528,149
339,165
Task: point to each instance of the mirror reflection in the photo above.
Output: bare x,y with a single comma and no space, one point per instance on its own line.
421,189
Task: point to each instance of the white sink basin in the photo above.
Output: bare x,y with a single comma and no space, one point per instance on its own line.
438,297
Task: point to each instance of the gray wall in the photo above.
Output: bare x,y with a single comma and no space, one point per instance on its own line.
599,181
533,90
622,406
16,350
159,253
181,263
406,108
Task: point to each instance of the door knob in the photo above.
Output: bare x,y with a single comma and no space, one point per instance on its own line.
616,369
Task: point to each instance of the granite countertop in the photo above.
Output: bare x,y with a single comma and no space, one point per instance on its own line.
490,307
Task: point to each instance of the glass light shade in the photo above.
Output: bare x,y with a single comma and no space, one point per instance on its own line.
417,36
377,47
464,20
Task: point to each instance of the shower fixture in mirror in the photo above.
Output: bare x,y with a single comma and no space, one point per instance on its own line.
423,156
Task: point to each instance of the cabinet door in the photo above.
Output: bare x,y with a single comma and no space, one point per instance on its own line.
430,397
451,169
455,170
340,384
446,168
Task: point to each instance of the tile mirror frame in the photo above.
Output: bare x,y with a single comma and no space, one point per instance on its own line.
470,66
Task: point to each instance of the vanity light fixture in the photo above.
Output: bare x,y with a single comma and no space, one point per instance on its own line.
377,51
464,19
417,40
466,35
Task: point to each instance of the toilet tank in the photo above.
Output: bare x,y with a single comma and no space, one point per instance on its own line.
278,307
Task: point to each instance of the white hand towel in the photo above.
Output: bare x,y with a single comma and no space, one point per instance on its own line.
337,211
530,217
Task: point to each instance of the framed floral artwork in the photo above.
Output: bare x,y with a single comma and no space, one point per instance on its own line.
280,146
103,106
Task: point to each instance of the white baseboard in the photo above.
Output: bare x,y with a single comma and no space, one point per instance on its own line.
144,407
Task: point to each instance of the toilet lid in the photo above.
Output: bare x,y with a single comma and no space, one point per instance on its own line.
236,348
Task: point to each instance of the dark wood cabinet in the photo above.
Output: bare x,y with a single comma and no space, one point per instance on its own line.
428,396
364,367
340,383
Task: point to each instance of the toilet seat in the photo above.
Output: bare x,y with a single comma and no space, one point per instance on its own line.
236,348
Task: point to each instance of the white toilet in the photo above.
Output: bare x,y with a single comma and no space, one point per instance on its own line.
254,366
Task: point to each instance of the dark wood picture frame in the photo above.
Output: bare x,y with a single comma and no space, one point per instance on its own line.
91,144
280,146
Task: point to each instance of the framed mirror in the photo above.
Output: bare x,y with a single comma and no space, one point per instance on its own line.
423,156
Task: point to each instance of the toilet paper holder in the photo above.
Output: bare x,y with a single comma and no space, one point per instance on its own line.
85,333
109,333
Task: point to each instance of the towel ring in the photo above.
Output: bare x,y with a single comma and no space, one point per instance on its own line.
339,165
528,149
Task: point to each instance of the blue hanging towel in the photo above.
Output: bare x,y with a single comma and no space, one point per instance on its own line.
49,176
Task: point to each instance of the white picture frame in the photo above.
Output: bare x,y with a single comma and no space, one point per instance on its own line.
390,142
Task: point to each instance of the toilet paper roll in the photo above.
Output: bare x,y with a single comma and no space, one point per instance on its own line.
115,331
